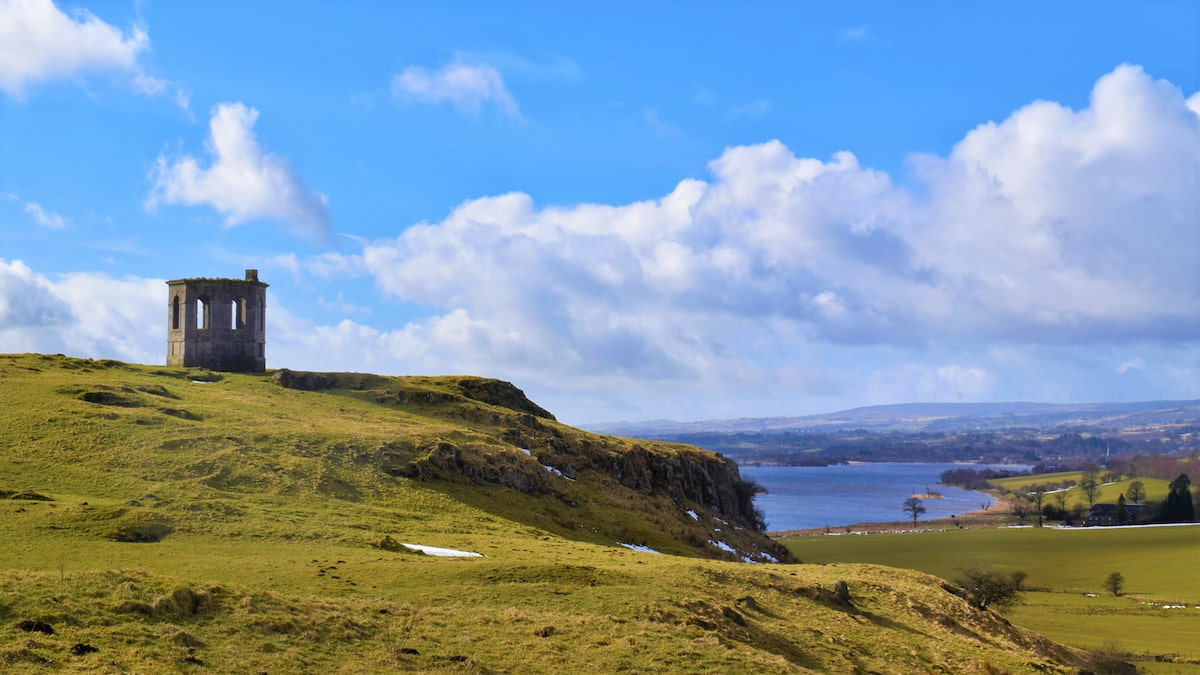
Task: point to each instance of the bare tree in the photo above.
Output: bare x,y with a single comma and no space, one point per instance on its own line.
912,506
1038,495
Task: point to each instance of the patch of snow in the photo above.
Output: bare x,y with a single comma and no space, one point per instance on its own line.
556,472
526,451
723,546
638,547
1091,595
692,513
201,382
442,552
769,558
747,559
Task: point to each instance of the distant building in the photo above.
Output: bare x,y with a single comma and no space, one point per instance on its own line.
1106,514
218,324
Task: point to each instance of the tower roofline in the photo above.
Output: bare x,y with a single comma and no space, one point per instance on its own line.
251,278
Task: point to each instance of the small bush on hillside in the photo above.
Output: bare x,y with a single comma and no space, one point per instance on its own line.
990,588
389,544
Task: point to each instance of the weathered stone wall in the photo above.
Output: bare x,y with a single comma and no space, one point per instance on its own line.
219,324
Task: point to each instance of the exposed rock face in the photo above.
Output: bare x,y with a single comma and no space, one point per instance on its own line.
687,476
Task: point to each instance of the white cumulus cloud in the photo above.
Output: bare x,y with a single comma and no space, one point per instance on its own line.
467,86
81,314
39,42
242,182
1051,227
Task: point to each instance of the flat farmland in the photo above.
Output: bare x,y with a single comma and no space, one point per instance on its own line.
1158,614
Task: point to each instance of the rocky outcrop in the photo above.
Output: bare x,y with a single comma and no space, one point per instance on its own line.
687,476
292,379
500,393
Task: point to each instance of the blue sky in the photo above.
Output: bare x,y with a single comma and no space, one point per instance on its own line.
630,210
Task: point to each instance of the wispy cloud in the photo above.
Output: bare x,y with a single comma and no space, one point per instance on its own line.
520,67
339,304
467,86
242,182
661,129
41,216
858,34
45,218
753,110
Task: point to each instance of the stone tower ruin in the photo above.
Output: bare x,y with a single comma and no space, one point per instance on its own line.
218,324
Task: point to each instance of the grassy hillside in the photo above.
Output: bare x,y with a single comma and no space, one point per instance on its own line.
176,519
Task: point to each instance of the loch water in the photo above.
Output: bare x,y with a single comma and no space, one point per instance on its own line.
806,497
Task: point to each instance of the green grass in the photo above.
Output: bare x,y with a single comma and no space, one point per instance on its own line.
269,504
1158,564
1094,621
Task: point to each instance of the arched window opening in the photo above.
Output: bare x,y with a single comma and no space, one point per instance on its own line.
237,316
201,314
175,313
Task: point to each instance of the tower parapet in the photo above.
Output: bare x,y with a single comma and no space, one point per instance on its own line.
218,324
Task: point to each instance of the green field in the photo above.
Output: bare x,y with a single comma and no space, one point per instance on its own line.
1159,565
1156,489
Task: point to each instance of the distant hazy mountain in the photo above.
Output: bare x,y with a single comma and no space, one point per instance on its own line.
930,417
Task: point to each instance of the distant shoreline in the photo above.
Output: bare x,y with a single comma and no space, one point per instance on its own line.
971,519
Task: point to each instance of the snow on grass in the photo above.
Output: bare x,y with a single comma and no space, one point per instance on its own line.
1093,528
638,547
526,451
692,513
723,546
442,552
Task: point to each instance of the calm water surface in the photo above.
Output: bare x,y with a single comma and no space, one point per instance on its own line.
805,497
